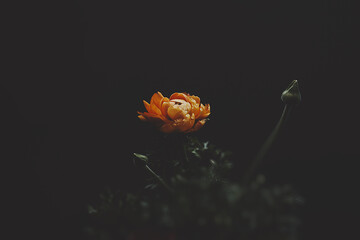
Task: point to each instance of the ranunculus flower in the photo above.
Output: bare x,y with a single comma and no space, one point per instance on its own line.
179,113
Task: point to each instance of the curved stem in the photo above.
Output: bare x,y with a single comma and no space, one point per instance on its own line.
267,144
159,179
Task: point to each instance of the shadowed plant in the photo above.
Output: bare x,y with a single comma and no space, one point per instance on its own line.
192,192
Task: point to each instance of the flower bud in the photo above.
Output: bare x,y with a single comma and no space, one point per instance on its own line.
140,158
292,95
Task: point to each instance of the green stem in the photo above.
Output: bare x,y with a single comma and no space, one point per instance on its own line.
185,152
269,141
159,179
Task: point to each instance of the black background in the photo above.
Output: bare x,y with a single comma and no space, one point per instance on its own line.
82,69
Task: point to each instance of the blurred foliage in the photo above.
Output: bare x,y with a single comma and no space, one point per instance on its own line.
207,201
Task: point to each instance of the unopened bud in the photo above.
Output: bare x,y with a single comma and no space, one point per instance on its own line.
292,95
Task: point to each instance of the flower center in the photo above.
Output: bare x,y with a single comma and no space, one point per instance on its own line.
179,109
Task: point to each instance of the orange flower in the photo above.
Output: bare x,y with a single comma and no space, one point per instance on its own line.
179,113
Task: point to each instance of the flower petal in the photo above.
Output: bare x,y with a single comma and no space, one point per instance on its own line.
155,103
201,110
179,125
204,111
197,126
168,127
154,109
147,105
186,123
151,117
179,109
164,106
196,99
156,98
195,104
142,118
179,96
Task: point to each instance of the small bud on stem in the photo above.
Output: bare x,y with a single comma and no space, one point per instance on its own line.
291,97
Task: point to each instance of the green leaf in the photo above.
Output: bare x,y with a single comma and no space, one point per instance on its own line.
91,210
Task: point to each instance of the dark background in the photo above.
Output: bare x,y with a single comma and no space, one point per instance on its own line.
82,69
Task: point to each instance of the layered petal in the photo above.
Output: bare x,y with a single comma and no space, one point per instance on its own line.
204,111
195,104
155,103
168,127
156,99
151,117
164,105
141,117
181,112
154,109
176,95
147,106
179,125
199,124
178,109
